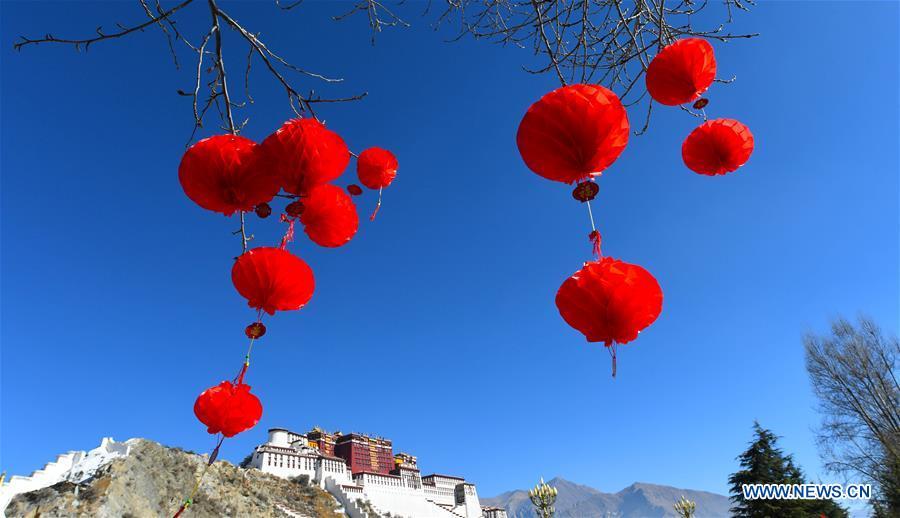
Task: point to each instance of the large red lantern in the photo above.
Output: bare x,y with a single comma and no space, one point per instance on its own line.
610,301
573,132
329,216
272,279
376,168
717,147
228,408
681,72
304,153
221,174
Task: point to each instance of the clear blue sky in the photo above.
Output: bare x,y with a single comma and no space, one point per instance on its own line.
436,325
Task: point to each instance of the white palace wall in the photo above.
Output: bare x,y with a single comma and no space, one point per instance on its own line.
410,496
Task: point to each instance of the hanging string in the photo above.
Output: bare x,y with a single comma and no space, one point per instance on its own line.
594,236
377,205
591,215
239,379
585,191
190,499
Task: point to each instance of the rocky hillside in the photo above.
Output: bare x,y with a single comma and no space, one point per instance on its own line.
153,480
635,501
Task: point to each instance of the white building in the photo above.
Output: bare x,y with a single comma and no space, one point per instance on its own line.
74,466
402,492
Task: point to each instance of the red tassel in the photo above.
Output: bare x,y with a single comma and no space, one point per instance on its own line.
289,234
239,380
595,238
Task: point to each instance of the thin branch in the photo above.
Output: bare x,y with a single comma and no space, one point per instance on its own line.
49,38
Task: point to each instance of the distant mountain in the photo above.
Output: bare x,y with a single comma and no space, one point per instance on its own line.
638,500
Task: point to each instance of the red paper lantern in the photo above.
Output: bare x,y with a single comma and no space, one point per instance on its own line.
221,174
329,216
272,279
717,147
681,72
304,153
228,409
610,301
376,168
573,132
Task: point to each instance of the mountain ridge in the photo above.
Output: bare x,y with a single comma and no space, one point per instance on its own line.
638,500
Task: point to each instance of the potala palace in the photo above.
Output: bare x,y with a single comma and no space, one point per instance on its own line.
365,475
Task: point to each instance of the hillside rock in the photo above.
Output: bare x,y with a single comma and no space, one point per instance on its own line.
153,480
638,500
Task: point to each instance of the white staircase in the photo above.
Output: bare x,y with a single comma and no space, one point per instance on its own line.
290,512
448,511
350,504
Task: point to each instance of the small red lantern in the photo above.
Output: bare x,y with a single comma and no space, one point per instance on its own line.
272,279
304,153
376,168
573,132
585,191
681,72
263,210
610,301
228,409
329,217
221,174
294,209
717,147
255,330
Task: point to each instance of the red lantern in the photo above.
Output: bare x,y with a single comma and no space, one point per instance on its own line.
610,301
272,279
304,153
717,147
681,72
329,216
221,174
376,168
573,132
228,409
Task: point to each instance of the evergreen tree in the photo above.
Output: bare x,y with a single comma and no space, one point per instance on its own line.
765,463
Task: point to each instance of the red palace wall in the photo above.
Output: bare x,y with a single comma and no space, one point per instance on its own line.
366,454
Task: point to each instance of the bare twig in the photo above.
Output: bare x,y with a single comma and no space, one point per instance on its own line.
610,42
379,16
214,79
86,42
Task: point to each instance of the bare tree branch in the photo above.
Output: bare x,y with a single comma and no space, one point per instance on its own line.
853,374
610,42
78,43
216,77
379,16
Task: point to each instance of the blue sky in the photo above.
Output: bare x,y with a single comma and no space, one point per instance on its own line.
436,325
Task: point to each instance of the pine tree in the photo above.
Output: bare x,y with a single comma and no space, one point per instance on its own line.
765,463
